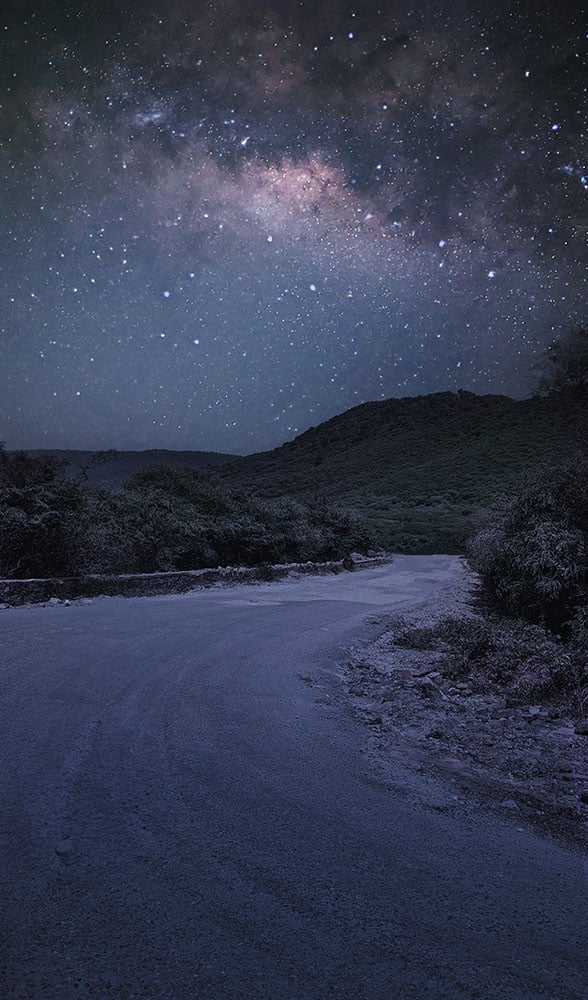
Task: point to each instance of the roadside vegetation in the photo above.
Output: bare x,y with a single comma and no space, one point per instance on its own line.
526,663
163,519
531,554
530,551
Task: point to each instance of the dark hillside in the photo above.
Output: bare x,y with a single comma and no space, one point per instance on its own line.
418,468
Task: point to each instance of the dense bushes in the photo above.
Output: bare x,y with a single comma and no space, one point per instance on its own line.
164,519
532,552
41,514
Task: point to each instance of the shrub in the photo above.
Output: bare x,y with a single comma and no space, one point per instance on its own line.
40,517
522,660
532,553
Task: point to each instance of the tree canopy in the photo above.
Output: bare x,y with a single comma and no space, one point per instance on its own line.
563,366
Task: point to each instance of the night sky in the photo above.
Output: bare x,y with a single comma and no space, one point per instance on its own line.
224,222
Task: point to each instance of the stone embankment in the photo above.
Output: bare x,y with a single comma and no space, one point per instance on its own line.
41,591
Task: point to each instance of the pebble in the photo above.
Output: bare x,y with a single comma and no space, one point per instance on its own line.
64,848
423,671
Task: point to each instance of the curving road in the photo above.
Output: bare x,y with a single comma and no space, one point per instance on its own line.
185,817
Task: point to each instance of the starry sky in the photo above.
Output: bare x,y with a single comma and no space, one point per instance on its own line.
225,222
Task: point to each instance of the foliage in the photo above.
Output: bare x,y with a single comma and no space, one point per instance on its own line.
40,513
532,552
524,661
164,519
411,475
563,365
419,470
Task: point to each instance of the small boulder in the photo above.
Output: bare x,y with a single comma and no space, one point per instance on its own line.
423,671
64,848
428,689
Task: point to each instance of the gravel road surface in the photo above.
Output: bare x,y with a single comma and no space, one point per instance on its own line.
188,812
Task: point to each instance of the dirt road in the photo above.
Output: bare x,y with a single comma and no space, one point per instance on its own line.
188,813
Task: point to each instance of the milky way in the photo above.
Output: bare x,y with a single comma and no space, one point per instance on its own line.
223,223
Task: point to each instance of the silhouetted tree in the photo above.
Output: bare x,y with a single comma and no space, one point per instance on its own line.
97,458
563,366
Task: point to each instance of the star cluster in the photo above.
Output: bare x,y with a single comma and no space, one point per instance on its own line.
224,222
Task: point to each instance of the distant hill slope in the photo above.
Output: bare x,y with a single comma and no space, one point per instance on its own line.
117,466
418,468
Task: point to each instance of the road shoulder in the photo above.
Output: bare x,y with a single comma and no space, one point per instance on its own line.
522,761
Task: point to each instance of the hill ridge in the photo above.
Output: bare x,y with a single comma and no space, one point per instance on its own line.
418,469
